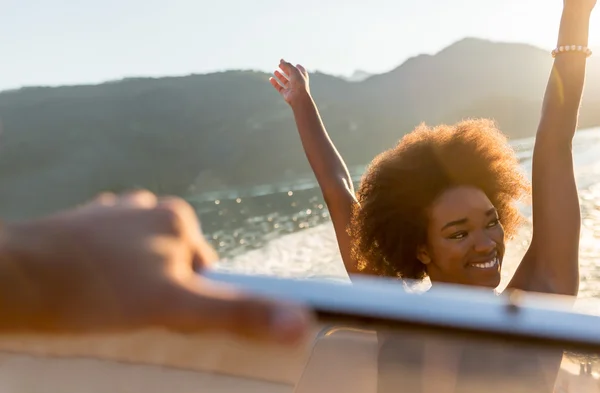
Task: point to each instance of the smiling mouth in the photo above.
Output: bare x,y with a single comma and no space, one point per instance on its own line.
486,265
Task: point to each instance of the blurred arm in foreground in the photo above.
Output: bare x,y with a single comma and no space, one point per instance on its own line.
121,263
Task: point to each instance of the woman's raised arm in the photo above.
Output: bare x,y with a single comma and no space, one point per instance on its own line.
327,164
552,261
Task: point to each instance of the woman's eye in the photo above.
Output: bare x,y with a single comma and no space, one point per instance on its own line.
458,235
494,223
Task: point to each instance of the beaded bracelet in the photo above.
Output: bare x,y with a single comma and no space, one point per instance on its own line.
572,48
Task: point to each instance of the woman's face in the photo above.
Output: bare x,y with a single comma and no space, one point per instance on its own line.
465,239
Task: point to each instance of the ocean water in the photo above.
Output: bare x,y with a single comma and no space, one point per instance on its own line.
285,230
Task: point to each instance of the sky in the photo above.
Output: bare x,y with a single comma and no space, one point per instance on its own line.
57,42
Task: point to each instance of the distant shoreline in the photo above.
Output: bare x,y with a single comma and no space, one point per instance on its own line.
306,181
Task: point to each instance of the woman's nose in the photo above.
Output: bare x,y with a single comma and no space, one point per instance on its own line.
484,243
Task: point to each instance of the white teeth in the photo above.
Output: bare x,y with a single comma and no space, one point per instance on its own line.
486,265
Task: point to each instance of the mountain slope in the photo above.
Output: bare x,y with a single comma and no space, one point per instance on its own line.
62,145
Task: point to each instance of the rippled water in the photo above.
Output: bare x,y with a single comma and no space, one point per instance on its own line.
285,229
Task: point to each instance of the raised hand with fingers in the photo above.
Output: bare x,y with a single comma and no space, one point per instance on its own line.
290,81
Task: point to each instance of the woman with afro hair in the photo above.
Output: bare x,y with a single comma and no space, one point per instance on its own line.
442,202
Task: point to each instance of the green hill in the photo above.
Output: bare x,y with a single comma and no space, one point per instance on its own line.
62,145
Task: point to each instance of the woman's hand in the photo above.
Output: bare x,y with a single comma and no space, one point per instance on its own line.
293,85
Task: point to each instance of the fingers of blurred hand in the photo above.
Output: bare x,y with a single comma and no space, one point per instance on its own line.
183,216
176,203
180,212
138,198
180,219
207,306
105,199
204,255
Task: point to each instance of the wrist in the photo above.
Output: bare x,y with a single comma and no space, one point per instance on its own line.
301,100
576,12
